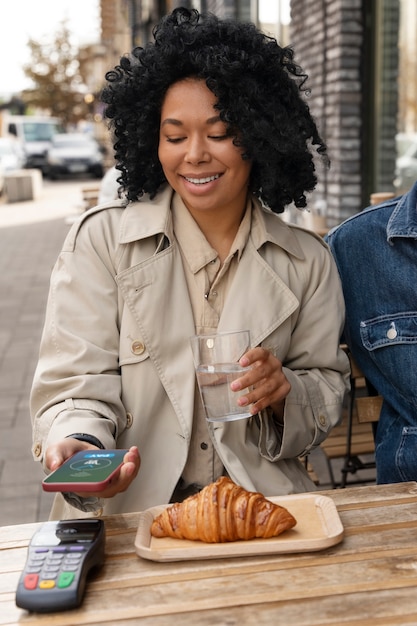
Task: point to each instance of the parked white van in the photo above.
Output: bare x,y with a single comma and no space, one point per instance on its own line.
35,134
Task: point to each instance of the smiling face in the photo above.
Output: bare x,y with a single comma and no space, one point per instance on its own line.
199,159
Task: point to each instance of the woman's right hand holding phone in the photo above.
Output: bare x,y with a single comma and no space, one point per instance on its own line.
60,452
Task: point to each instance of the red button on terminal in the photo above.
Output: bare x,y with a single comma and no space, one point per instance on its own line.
31,581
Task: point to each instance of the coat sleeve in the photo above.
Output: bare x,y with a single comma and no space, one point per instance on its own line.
77,385
315,364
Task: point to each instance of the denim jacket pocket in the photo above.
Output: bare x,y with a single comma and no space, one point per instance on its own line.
405,457
387,330
391,342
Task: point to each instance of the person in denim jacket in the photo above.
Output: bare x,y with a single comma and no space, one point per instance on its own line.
376,254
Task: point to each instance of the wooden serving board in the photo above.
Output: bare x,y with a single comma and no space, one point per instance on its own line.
318,527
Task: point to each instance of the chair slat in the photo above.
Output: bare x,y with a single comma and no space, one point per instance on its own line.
369,408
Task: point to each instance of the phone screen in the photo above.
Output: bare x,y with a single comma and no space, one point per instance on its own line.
86,467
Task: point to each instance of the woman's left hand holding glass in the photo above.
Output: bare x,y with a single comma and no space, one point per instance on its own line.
268,385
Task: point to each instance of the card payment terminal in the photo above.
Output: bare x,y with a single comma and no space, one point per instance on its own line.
60,556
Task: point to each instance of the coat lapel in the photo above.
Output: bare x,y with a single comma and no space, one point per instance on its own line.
258,298
157,295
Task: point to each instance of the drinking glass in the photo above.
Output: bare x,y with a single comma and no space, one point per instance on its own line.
216,360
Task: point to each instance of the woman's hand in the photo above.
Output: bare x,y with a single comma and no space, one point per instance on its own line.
60,452
269,384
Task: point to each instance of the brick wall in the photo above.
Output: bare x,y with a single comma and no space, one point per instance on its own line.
327,39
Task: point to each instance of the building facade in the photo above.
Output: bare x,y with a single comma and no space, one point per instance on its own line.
350,51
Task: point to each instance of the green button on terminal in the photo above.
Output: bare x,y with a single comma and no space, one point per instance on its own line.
65,579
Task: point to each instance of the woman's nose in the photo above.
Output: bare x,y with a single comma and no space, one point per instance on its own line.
196,151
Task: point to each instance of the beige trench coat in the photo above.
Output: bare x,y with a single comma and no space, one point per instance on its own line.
115,358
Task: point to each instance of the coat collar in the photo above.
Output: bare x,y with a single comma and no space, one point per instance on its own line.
147,218
403,220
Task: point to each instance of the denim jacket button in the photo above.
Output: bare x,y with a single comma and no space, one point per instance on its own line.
392,333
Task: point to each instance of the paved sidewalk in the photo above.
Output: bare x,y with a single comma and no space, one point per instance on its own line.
31,235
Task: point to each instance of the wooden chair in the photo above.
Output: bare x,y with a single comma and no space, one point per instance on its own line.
354,437
90,196
368,409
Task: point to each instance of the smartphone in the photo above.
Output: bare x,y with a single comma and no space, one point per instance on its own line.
60,557
89,470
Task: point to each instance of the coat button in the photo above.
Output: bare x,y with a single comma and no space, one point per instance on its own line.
129,420
203,445
137,347
322,419
37,450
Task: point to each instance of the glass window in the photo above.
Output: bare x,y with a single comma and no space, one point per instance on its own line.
406,139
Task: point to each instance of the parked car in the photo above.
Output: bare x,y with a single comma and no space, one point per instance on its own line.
12,156
73,154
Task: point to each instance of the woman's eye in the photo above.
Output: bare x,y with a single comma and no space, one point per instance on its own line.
219,137
174,139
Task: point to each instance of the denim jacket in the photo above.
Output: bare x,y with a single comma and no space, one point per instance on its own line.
376,254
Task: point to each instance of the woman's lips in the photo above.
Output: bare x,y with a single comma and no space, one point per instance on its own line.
201,180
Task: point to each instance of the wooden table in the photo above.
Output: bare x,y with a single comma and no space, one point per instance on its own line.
369,578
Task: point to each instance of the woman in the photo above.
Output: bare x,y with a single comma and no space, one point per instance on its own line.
212,138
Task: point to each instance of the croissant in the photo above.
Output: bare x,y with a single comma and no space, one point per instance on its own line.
221,512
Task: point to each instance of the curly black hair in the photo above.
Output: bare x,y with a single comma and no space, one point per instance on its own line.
260,96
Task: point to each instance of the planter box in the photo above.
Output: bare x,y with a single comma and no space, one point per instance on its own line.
23,185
